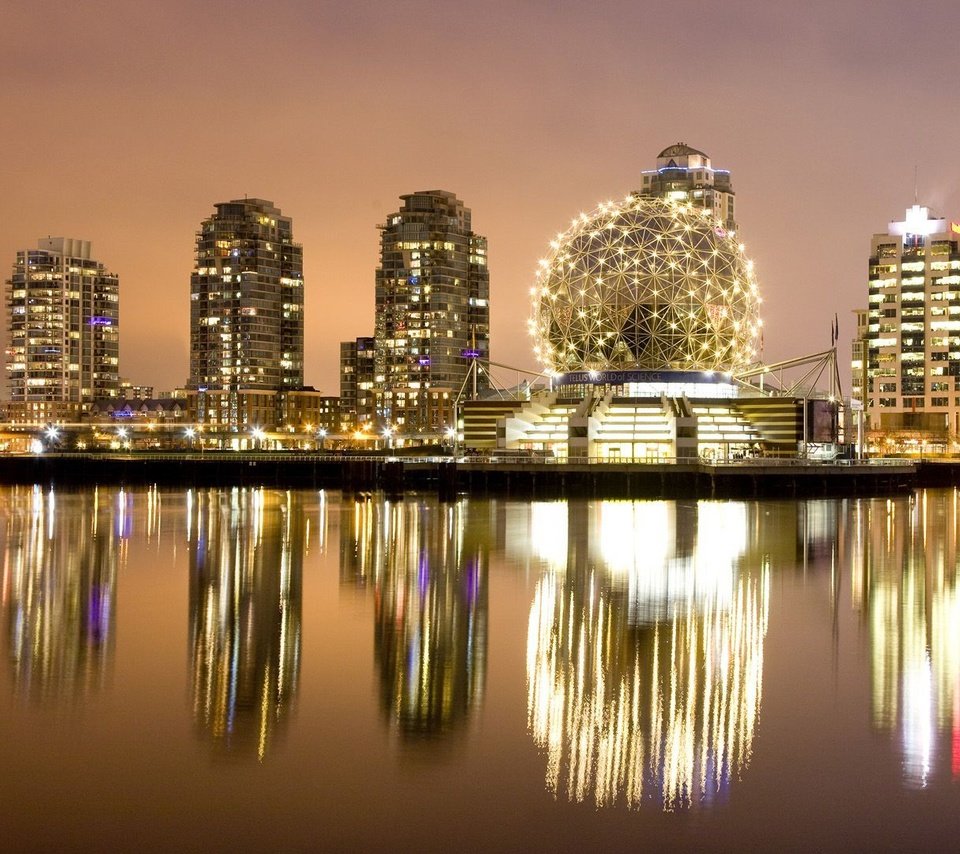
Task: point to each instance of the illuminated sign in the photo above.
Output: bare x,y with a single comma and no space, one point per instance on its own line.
955,227
100,321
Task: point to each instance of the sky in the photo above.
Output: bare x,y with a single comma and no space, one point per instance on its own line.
125,122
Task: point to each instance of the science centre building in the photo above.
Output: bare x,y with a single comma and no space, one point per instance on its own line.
644,314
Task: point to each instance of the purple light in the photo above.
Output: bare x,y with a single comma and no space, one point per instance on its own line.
424,360
470,354
100,321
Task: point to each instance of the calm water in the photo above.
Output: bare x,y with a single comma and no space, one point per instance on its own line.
259,669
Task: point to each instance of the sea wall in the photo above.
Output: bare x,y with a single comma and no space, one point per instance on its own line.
449,478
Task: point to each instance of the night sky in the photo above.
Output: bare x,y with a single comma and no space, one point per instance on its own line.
125,122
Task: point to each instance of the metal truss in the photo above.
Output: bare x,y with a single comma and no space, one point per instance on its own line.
645,283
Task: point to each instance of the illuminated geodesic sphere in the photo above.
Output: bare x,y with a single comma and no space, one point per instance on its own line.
647,284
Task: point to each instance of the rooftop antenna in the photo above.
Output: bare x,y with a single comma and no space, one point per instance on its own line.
916,199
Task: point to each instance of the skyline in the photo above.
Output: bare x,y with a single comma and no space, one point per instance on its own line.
542,112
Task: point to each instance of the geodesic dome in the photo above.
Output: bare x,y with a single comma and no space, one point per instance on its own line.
647,284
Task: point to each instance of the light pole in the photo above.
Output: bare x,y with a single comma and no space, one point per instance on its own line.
258,436
321,435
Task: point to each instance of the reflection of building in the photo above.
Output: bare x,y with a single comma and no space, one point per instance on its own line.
645,651
910,597
63,315
246,566
60,561
430,630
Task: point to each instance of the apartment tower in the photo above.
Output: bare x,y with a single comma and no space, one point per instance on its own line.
432,317
913,327
63,322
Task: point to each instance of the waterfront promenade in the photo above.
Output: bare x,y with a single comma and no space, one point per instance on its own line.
449,477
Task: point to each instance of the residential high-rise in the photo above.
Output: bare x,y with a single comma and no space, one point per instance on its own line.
246,300
357,375
858,354
432,310
246,311
912,343
687,175
63,315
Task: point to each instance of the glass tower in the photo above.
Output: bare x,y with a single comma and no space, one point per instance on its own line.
63,315
432,308
246,300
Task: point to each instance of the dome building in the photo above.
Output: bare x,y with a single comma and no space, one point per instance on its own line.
645,283
643,313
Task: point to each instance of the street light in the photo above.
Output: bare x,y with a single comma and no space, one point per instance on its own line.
190,433
321,435
388,436
258,436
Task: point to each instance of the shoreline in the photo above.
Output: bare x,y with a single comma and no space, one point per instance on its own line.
449,478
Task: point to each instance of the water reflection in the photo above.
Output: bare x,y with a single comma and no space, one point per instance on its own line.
645,649
428,566
909,595
246,568
60,557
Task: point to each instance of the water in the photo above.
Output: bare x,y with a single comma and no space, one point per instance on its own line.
260,669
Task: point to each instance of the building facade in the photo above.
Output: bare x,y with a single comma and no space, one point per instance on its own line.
913,327
358,398
63,323
246,303
432,310
684,174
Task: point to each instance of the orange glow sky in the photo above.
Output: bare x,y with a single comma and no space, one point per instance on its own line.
125,122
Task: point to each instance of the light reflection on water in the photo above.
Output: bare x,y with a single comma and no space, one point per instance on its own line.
428,571
59,592
246,568
645,654
648,625
908,593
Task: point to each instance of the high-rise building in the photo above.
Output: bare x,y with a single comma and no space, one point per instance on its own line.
246,308
63,315
246,300
357,380
858,354
432,310
912,339
684,174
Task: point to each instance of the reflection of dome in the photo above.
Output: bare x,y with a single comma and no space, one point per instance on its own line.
649,284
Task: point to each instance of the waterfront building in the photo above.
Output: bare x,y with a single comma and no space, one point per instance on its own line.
687,176
645,316
246,306
63,319
858,356
913,329
432,316
358,398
